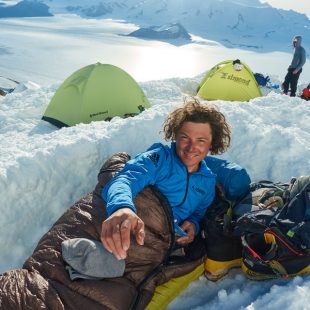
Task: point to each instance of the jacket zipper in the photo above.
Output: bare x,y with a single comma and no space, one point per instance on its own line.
186,191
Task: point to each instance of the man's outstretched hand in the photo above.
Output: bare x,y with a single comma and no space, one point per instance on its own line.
116,229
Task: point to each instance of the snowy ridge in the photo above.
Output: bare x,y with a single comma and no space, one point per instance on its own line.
173,33
43,170
230,22
63,164
233,23
24,9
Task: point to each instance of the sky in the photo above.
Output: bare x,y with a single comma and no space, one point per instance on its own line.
44,170
301,6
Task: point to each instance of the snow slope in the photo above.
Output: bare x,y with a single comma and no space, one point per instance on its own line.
247,24
44,170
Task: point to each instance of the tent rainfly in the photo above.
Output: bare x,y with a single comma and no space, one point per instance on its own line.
230,80
94,93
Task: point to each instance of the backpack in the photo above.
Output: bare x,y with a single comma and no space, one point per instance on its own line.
263,195
238,233
306,93
276,235
223,247
261,79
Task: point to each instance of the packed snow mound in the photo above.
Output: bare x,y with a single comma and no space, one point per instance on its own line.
7,85
163,32
24,85
7,82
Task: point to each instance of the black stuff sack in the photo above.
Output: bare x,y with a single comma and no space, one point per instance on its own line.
276,240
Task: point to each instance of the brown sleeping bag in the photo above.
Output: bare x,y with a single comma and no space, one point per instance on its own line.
43,282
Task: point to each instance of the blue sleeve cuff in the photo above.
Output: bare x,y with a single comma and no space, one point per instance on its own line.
112,209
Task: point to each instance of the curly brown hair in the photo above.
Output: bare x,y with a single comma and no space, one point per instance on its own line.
196,112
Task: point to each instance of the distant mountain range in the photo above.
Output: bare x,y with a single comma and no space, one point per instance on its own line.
246,24
24,9
173,32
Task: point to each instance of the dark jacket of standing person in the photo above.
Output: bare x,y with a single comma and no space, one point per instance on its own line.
299,57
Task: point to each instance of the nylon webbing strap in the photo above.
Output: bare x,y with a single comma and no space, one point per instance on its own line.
278,268
227,220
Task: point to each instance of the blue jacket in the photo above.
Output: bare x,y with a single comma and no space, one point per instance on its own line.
233,178
188,194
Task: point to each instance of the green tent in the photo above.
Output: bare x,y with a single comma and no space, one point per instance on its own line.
231,81
94,93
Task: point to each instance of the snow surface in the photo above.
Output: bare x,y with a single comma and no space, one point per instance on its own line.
44,170
247,24
69,42
174,33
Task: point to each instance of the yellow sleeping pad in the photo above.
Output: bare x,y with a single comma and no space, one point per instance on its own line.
215,270
168,291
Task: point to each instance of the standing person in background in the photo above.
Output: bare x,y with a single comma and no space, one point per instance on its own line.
295,68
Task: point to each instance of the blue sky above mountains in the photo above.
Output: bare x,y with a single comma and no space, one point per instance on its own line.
301,6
